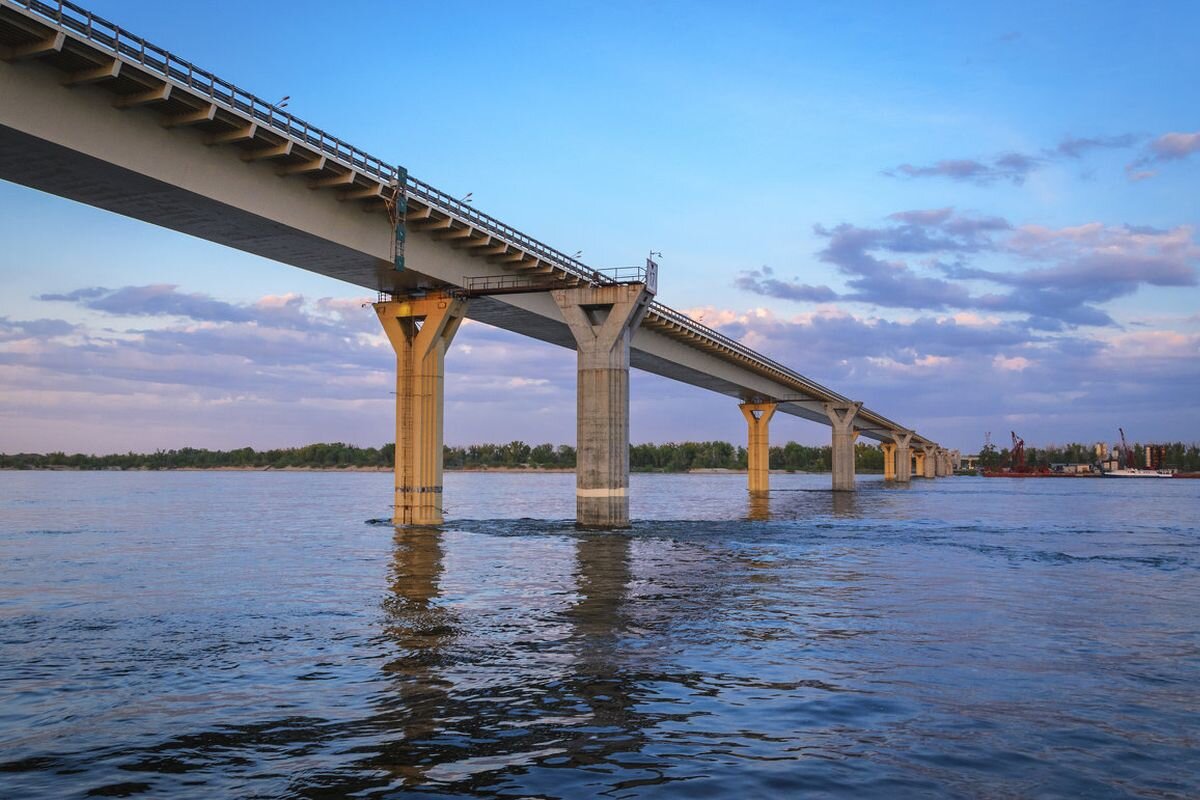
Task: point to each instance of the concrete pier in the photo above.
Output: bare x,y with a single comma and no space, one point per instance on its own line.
602,319
903,456
889,460
420,331
841,418
927,457
758,446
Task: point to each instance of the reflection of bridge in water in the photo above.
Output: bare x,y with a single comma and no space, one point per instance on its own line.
144,133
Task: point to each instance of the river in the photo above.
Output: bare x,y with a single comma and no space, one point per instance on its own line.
232,634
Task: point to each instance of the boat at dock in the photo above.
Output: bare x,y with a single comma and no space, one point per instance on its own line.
1134,472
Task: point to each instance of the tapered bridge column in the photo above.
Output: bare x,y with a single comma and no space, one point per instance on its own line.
602,320
889,460
903,456
943,462
758,447
420,331
841,417
927,460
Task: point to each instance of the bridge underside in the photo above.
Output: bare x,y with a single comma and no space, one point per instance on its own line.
66,172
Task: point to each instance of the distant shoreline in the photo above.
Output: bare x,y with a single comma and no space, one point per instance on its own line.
552,470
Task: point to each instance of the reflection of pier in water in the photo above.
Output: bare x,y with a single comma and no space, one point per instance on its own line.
786,505
421,629
443,722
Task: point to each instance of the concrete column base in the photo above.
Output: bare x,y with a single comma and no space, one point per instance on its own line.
903,456
841,417
927,460
602,319
758,447
889,460
420,332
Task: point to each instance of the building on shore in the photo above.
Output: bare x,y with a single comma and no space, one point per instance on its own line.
1156,456
1073,469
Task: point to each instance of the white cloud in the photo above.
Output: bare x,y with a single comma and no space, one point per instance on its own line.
1011,364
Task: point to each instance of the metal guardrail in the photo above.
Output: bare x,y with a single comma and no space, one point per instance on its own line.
480,285
464,212
683,319
631,274
121,43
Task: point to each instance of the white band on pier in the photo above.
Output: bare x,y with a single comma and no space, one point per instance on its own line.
618,492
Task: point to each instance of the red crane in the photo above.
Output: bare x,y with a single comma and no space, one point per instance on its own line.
1018,453
1017,466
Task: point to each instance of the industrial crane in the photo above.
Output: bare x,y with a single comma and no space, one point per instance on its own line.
1018,452
1125,451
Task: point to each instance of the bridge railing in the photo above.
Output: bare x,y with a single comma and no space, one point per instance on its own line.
697,327
155,59
466,213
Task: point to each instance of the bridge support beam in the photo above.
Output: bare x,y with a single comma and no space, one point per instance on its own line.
889,460
420,331
943,462
841,417
602,320
927,460
903,456
758,446
918,463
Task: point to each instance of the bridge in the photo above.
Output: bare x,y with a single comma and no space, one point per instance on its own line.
90,112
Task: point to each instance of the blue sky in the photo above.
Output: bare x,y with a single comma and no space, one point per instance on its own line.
972,217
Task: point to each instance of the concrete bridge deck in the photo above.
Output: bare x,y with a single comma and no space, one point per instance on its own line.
90,112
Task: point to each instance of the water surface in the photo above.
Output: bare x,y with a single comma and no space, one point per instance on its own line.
247,635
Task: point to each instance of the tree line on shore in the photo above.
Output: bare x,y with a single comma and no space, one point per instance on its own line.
669,457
